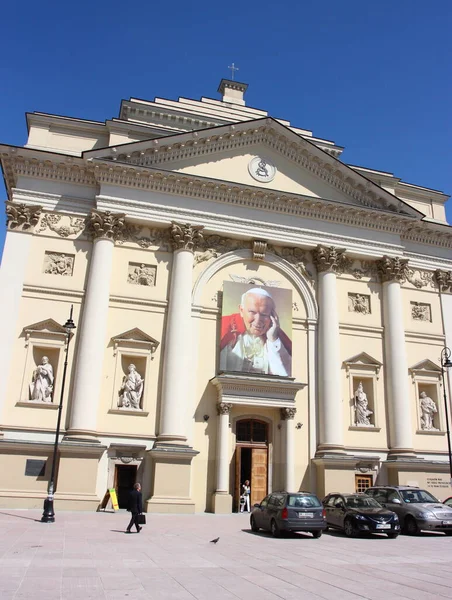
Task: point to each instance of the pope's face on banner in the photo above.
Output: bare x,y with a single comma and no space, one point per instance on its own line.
256,313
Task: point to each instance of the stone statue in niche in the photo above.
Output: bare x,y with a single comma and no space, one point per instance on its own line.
428,410
58,264
41,386
141,275
362,412
131,390
359,303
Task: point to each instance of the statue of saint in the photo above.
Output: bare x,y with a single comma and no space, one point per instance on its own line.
41,387
428,409
131,390
362,412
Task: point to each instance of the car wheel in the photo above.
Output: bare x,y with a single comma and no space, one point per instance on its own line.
349,528
317,534
254,527
274,529
393,536
411,527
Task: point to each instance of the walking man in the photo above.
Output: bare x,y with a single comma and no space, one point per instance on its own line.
135,507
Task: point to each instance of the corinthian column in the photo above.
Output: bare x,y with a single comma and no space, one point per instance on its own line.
288,415
178,350
329,261
393,271
106,228
16,254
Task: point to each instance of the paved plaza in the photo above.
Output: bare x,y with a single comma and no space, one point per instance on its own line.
88,556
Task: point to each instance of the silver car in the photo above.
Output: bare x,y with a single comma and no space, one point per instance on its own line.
417,509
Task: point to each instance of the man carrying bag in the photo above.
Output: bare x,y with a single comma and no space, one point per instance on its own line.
136,508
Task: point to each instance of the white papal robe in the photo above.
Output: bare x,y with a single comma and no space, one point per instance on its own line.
251,355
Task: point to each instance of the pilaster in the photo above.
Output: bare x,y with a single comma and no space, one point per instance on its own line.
21,221
222,499
287,416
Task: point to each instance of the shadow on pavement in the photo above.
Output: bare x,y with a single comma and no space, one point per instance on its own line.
20,517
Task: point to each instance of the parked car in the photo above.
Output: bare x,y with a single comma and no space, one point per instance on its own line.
417,509
282,512
358,513
448,501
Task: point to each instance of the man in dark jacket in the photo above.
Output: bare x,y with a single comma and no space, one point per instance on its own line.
135,507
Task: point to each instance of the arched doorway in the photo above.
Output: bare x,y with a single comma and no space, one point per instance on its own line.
251,458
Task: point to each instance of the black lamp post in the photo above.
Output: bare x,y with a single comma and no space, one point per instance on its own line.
446,363
48,516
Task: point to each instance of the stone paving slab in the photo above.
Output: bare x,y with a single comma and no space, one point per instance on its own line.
87,556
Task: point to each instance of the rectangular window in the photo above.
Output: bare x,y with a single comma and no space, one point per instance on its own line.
362,482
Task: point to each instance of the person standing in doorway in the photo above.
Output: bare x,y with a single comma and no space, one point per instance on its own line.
246,491
135,507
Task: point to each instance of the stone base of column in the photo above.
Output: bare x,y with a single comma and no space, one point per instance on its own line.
401,453
327,449
221,503
171,479
80,435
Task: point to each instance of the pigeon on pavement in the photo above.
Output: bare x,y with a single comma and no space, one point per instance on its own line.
214,541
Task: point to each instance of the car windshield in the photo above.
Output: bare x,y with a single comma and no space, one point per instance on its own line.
361,502
303,501
417,496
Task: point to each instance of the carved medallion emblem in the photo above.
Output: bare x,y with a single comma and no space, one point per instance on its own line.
261,169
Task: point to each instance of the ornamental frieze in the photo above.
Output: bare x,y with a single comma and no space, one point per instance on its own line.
146,237
185,236
62,225
22,216
213,246
393,269
297,257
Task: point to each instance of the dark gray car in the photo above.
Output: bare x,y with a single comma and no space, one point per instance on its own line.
417,509
283,511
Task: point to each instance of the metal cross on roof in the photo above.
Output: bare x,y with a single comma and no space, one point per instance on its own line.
233,68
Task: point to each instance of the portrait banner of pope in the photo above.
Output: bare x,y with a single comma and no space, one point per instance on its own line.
256,329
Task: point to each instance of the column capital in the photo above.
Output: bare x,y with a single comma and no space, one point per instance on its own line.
107,225
329,258
287,413
444,280
393,268
21,216
184,236
224,408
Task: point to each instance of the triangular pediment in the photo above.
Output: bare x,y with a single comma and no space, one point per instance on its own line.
135,335
48,326
226,154
362,360
425,366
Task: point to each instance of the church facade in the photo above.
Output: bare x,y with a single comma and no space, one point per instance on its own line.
247,307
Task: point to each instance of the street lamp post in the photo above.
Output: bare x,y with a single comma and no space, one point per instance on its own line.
446,363
48,516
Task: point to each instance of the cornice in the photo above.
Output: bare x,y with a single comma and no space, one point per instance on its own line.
145,178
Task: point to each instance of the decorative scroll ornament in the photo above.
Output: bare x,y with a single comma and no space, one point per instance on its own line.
330,259
444,280
21,216
213,246
158,238
108,225
296,257
393,269
224,408
288,413
259,248
53,222
420,278
185,236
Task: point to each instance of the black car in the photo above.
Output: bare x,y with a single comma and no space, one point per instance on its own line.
282,511
357,513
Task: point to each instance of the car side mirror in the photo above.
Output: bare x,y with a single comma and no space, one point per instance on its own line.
256,505
396,501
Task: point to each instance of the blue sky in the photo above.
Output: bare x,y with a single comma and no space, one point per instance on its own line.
374,77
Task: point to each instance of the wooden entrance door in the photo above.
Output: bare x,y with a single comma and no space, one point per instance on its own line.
259,474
